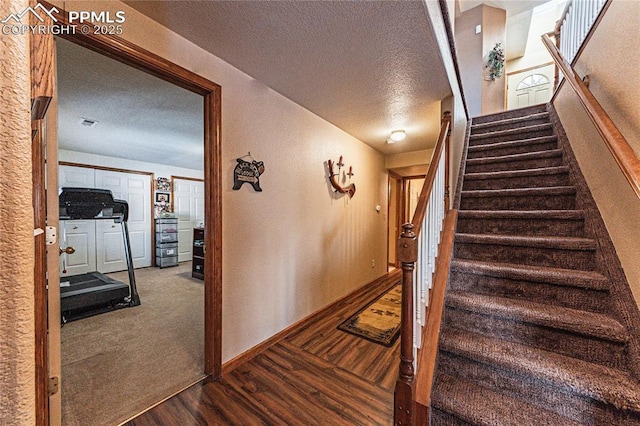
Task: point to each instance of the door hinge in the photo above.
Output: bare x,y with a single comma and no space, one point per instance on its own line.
54,385
51,235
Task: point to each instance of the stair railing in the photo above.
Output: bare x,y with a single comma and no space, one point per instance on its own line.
578,18
418,254
622,152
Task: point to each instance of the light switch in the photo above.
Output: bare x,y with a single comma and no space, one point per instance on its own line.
478,29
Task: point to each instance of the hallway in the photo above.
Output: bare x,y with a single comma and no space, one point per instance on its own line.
315,375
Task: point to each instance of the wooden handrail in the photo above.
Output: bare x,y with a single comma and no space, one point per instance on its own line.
620,149
425,193
405,408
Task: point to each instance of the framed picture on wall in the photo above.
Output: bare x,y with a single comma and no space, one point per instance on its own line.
163,198
163,184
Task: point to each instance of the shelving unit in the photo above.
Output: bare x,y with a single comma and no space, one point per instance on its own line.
197,265
166,242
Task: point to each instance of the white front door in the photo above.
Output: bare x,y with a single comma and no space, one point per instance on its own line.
188,204
531,87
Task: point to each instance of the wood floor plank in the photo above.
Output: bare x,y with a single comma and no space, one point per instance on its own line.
318,375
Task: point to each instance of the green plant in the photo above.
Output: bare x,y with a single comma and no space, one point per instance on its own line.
496,62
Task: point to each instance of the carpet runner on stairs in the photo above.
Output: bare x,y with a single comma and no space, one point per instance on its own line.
537,328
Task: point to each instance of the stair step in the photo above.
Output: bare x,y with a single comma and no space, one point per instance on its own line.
506,123
512,113
607,385
477,405
561,223
546,198
585,323
526,178
536,130
549,158
563,277
522,214
517,173
519,146
570,252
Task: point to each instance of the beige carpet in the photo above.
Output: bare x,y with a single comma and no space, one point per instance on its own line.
117,364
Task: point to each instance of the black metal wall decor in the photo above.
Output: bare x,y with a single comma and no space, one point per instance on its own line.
334,178
247,172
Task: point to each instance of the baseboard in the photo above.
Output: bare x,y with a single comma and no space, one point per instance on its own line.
234,363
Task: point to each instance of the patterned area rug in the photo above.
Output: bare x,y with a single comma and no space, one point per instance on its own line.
379,321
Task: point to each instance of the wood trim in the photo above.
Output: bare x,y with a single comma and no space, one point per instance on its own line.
133,55
431,332
40,277
109,169
42,77
618,146
42,66
382,281
421,207
546,64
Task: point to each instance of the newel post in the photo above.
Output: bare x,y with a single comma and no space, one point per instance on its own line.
404,396
446,119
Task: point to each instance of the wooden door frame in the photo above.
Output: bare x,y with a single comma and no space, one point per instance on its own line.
398,224
137,57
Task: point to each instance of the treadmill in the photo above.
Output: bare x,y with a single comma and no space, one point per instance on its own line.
93,293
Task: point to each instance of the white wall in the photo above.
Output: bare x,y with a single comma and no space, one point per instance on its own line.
406,159
543,21
295,247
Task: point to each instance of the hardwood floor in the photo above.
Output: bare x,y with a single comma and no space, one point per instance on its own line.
317,375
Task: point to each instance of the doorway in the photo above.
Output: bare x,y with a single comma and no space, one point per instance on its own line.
532,86
142,60
403,193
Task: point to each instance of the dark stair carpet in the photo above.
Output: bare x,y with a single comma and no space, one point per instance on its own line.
540,327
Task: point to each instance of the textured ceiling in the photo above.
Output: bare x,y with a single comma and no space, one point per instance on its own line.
140,117
368,67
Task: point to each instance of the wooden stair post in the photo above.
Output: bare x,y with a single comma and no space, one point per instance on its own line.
404,395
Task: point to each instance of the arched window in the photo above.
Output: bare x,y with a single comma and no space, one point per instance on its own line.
532,81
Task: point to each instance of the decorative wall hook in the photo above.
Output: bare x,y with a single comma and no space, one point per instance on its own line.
335,177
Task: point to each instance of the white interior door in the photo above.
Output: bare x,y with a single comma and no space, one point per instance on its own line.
532,87
188,204
81,235
136,190
76,177
106,246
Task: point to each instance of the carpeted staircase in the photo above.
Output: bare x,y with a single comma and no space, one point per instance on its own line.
540,327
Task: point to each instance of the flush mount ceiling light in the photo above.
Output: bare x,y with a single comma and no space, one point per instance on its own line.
397,135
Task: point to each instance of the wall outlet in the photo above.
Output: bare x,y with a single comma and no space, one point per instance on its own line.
373,263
